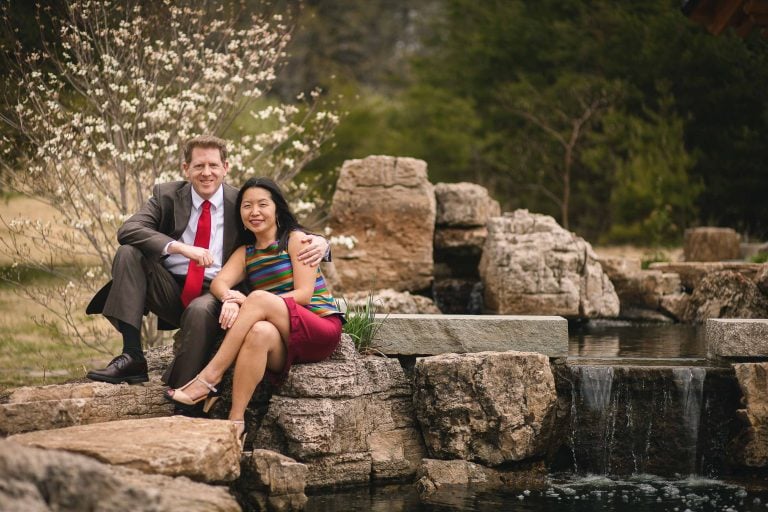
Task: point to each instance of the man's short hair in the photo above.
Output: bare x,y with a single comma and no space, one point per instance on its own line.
204,141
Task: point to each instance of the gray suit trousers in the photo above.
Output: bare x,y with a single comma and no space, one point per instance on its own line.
138,285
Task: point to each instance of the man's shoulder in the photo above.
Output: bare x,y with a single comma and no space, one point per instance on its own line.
170,187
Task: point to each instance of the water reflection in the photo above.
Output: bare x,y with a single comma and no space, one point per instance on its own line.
609,338
565,492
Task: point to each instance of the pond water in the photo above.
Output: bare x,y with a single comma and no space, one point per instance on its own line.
623,339
639,493
614,343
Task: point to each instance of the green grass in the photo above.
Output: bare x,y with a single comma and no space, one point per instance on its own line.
33,354
362,324
759,258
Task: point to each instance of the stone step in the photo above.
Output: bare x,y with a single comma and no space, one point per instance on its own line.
200,449
424,335
736,337
33,408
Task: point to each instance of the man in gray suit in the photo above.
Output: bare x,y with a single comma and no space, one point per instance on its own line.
169,253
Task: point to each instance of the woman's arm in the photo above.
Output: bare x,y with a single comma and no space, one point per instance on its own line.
232,273
303,275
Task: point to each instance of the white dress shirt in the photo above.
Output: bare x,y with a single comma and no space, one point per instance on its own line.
177,263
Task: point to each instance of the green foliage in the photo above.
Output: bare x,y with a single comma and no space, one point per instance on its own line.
759,258
653,197
361,323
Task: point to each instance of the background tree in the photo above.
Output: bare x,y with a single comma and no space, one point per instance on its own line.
100,113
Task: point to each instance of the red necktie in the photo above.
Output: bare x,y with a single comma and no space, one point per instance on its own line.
193,285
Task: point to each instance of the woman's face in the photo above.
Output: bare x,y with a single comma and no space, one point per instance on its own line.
257,210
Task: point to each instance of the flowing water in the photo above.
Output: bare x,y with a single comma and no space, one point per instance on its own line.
648,429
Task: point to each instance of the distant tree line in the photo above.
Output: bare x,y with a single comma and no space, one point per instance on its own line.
624,120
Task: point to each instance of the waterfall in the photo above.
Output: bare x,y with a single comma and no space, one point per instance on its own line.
630,420
690,386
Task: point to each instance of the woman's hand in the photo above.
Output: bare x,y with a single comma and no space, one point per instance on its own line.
233,296
229,312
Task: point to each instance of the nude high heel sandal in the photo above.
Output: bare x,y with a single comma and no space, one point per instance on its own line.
184,401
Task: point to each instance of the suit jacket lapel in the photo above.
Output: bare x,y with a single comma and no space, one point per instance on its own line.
182,207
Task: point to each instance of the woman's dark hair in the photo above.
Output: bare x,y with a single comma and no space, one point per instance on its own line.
286,221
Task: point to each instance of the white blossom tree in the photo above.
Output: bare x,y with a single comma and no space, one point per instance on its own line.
99,116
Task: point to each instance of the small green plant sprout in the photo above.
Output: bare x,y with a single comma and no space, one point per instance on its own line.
362,324
655,256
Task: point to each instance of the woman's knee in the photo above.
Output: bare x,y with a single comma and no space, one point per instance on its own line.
261,336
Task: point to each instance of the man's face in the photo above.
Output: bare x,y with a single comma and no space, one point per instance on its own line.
205,171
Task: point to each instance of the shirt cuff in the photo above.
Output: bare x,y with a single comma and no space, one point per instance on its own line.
165,249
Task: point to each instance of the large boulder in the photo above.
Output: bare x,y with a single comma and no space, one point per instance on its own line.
388,205
726,294
349,420
273,481
464,205
711,244
200,449
463,209
532,266
486,407
42,480
752,451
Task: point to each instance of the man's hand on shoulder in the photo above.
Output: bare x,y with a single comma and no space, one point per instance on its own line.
315,251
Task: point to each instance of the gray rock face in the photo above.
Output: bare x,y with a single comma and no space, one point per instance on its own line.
42,480
711,244
752,445
273,481
436,474
691,273
464,205
47,407
486,407
737,337
200,449
640,291
725,294
349,421
391,301
388,205
530,265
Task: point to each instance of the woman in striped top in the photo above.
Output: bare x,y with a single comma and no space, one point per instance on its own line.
289,315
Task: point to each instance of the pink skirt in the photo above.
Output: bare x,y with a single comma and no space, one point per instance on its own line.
313,338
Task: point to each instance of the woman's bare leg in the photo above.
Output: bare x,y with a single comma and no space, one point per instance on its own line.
263,348
258,306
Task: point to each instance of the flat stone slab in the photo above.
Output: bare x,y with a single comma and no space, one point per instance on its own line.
426,335
200,449
33,408
737,337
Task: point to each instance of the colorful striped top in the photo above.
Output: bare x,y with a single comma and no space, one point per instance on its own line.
270,270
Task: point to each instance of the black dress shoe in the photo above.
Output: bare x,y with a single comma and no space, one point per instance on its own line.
123,368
